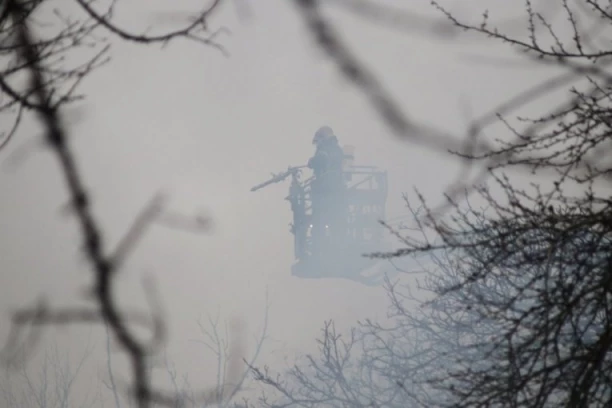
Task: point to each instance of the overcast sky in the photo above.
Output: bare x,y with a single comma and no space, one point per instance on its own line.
206,128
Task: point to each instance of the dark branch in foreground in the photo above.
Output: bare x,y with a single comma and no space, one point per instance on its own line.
101,264
39,98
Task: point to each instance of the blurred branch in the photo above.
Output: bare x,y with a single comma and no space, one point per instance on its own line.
137,229
189,32
103,265
52,384
397,18
231,380
356,72
109,368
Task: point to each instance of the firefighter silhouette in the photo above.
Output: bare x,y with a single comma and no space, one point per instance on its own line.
329,207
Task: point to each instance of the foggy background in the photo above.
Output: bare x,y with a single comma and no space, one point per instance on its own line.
205,128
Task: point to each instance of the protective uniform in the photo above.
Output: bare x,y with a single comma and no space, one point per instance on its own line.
329,209
328,156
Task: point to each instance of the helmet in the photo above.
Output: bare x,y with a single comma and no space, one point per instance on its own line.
323,133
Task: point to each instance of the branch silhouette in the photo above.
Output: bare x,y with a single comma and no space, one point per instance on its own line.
104,264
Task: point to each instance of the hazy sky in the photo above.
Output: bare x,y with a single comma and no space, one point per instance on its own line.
206,128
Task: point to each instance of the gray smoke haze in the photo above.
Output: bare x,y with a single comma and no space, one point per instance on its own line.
204,128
